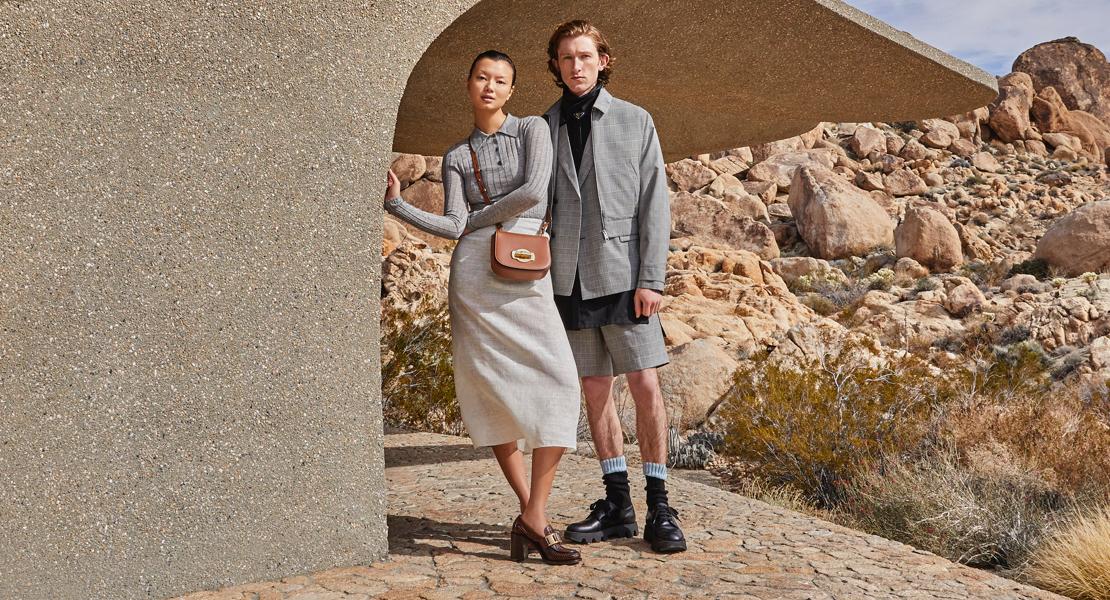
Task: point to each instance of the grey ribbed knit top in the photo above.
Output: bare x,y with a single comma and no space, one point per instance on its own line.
516,168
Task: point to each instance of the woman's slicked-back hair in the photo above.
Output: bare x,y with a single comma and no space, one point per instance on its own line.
492,55
573,29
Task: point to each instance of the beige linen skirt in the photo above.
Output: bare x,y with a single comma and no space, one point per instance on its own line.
515,377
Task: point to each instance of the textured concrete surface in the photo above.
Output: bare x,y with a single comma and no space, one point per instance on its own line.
450,512
189,239
714,74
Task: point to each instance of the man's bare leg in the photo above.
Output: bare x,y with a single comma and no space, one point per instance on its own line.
662,528
612,517
651,415
601,414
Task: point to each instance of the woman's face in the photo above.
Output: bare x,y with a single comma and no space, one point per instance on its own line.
490,84
579,63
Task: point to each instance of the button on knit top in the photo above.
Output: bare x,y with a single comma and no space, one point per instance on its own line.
516,168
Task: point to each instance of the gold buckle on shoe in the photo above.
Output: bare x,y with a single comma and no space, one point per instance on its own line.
551,539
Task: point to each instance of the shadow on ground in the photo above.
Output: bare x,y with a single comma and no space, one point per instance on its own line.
429,455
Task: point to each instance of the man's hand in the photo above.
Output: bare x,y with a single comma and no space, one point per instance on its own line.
647,302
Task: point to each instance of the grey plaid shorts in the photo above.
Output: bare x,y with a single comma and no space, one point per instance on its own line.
617,349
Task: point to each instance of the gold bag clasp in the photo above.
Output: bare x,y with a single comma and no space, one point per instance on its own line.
523,255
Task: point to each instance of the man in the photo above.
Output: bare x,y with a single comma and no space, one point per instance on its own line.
609,238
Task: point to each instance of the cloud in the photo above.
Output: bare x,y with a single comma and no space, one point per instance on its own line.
992,33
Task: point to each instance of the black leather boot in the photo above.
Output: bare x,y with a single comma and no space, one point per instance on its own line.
662,531
606,521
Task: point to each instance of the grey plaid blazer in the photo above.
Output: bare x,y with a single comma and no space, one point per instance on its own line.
631,190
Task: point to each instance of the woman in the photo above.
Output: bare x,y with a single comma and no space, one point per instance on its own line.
515,377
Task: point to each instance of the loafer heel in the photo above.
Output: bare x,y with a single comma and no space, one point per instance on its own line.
518,547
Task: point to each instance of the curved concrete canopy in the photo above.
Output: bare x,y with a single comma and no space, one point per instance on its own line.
713,74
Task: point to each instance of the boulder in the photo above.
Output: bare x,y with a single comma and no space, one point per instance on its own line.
725,184
869,180
780,168
1079,241
1053,117
835,218
747,205
964,298
1078,71
408,168
764,190
689,175
907,270
729,165
928,237
963,147
762,152
866,140
913,150
904,182
985,161
700,372
1009,112
434,170
709,219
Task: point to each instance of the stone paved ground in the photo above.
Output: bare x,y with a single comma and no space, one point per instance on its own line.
448,536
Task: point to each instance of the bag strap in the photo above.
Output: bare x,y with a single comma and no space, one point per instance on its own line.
485,194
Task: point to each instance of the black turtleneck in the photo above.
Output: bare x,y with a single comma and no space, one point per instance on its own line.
575,113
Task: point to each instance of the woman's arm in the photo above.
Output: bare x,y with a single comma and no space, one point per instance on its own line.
537,176
451,223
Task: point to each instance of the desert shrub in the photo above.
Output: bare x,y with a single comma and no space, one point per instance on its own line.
985,508
1014,334
1068,363
418,383
808,427
1037,267
828,295
1074,560
926,284
882,279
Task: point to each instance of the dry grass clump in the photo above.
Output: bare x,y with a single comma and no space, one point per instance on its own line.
782,496
988,508
1075,560
810,427
1064,429
418,382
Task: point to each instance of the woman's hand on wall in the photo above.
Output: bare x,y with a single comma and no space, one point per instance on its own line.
392,186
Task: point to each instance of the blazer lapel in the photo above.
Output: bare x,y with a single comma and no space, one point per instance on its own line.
597,130
566,161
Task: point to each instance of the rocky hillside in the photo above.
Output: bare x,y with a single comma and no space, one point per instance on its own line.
922,236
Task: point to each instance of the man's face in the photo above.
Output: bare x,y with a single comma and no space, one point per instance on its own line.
579,63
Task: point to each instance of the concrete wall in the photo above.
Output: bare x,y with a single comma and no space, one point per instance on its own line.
189,278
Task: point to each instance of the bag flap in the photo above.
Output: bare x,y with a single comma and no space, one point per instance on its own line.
521,251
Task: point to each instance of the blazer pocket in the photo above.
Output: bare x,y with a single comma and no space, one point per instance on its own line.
622,230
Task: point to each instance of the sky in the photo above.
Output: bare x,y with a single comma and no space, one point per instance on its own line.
990,34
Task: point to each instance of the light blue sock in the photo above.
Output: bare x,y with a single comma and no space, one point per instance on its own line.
613,465
655,470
